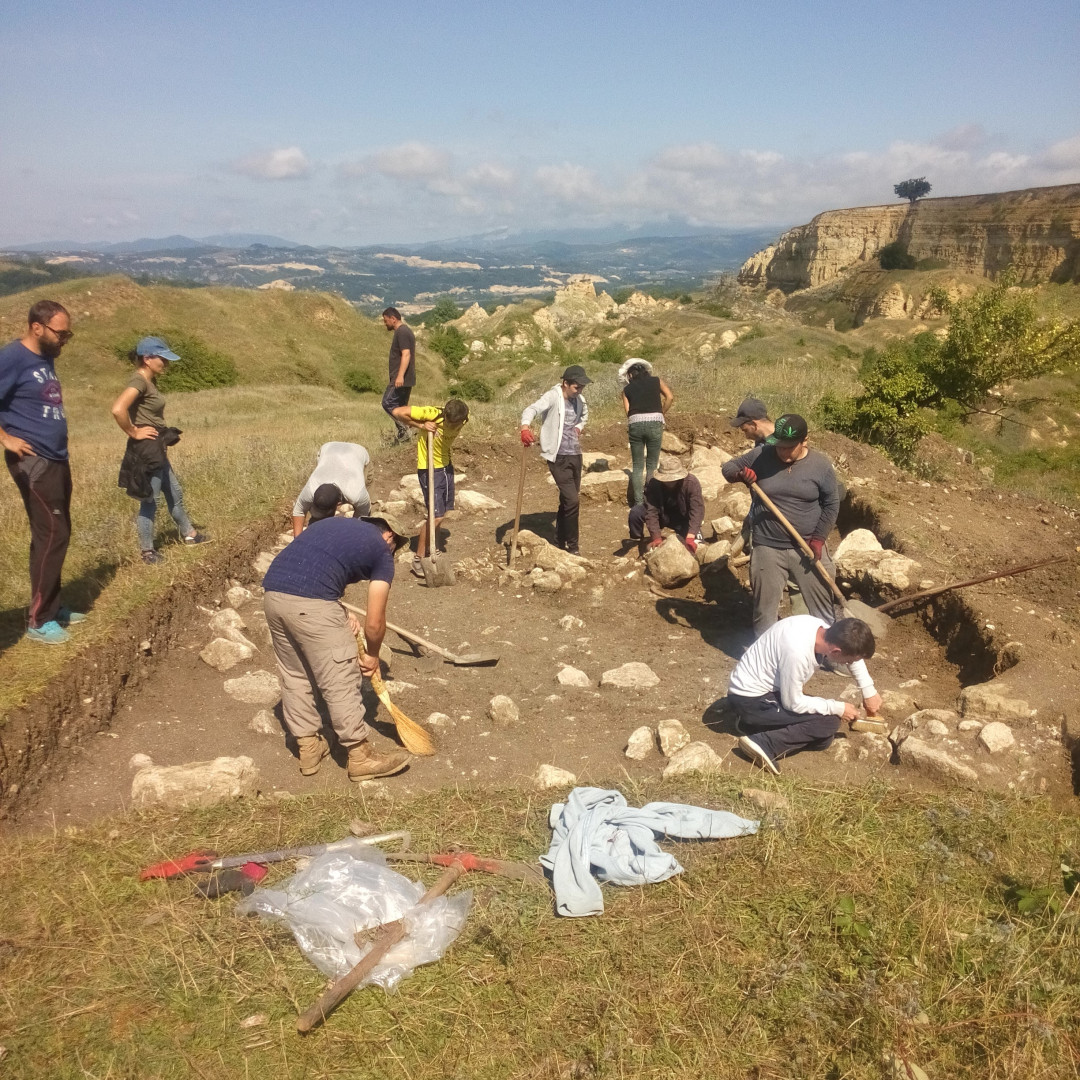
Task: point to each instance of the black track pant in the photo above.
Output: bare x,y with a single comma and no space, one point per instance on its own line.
566,471
777,730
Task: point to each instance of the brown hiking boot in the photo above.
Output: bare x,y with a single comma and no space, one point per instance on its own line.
365,763
313,748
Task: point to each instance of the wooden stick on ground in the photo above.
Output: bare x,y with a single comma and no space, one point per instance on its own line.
388,935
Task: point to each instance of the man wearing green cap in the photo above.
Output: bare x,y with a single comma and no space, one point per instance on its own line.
563,414
802,484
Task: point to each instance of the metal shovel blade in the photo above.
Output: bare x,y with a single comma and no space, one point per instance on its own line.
879,624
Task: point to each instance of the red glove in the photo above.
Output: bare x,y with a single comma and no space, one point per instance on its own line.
527,437
746,476
691,544
655,543
816,546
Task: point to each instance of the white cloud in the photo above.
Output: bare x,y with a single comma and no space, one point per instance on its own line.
1063,156
412,161
285,163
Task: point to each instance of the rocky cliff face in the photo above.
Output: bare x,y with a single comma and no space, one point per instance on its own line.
1035,231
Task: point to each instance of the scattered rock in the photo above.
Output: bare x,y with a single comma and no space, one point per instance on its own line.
725,526
641,743
571,622
671,565
238,596
545,581
936,727
734,502
707,554
924,758
712,481
860,557
697,757
537,551
996,737
262,563
223,654
670,443
898,1068
609,485
140,761
769,801
473,502
707,457
672,737
548,776
502,711
593,461
440,721
264,722
572,676
992,701
255,1020
199,783
226,619
924,716
632,676
254,688
969,725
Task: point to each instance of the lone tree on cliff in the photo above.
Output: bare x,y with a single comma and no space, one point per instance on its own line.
912,189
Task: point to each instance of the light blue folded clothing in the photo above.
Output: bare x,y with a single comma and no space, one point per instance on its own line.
597,837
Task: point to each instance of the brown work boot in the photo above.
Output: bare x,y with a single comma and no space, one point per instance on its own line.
313,748
365,763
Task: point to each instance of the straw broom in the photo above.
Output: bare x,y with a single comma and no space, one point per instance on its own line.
413,737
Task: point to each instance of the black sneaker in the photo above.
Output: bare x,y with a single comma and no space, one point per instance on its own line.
152,558
197,538
757,754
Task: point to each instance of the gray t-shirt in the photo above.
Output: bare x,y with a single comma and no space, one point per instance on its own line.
148,409
805,492
570,443
340,463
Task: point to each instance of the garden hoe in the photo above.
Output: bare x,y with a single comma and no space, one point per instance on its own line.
436,567
853,609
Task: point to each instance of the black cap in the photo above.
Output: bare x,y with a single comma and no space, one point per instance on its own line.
790,429
750,410
575,373
324,502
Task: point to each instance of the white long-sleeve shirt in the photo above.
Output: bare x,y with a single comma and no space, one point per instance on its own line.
782,661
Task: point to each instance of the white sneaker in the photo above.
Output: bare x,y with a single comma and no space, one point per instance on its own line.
758,754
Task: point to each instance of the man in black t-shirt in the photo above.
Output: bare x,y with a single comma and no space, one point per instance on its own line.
402,368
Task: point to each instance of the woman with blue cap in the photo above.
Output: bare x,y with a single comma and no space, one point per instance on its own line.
145,472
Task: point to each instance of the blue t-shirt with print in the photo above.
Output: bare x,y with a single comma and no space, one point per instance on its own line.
31,403
327,556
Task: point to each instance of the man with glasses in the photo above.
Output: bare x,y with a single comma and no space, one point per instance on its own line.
33,432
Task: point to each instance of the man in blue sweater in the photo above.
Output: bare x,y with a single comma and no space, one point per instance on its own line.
33,432
315,638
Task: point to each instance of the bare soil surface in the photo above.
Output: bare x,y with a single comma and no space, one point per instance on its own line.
690,637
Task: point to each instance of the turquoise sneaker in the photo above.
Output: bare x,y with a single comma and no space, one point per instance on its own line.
66,617
50,633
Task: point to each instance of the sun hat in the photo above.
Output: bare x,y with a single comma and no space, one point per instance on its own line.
624,371
155,346
401,537
669,469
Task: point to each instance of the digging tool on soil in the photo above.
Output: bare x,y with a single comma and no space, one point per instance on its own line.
204,862
873,724
520,871
387,936
437,568
517,508
459,660
413,737
853,609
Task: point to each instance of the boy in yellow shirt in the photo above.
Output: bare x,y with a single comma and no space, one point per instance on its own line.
446,423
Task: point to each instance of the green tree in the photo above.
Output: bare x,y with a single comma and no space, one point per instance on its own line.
444,311
912,189
450,345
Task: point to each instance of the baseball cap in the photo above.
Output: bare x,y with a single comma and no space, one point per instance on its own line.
324,502
155,346
790,428
750,410
575,373
669,470
401,537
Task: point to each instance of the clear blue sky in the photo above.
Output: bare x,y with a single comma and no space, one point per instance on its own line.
361,123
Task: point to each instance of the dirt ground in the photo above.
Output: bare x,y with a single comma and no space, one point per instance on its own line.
690,637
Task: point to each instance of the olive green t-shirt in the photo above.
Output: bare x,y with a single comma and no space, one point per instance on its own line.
148,409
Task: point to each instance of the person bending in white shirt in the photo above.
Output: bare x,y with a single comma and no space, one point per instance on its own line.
773,715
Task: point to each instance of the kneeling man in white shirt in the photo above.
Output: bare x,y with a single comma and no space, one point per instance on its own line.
773,715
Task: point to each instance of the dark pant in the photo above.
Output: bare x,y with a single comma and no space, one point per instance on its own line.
645,438
393,398
45,487
777,730
772,568
566,471
636,523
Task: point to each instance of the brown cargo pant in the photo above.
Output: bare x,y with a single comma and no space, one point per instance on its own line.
316,650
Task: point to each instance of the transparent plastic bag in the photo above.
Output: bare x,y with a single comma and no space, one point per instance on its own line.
340,893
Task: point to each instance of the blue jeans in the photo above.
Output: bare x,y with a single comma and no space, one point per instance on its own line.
162,482
645,438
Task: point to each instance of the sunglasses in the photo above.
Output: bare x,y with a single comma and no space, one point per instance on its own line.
61,335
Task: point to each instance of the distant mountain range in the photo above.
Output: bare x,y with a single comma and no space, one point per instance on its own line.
489,268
